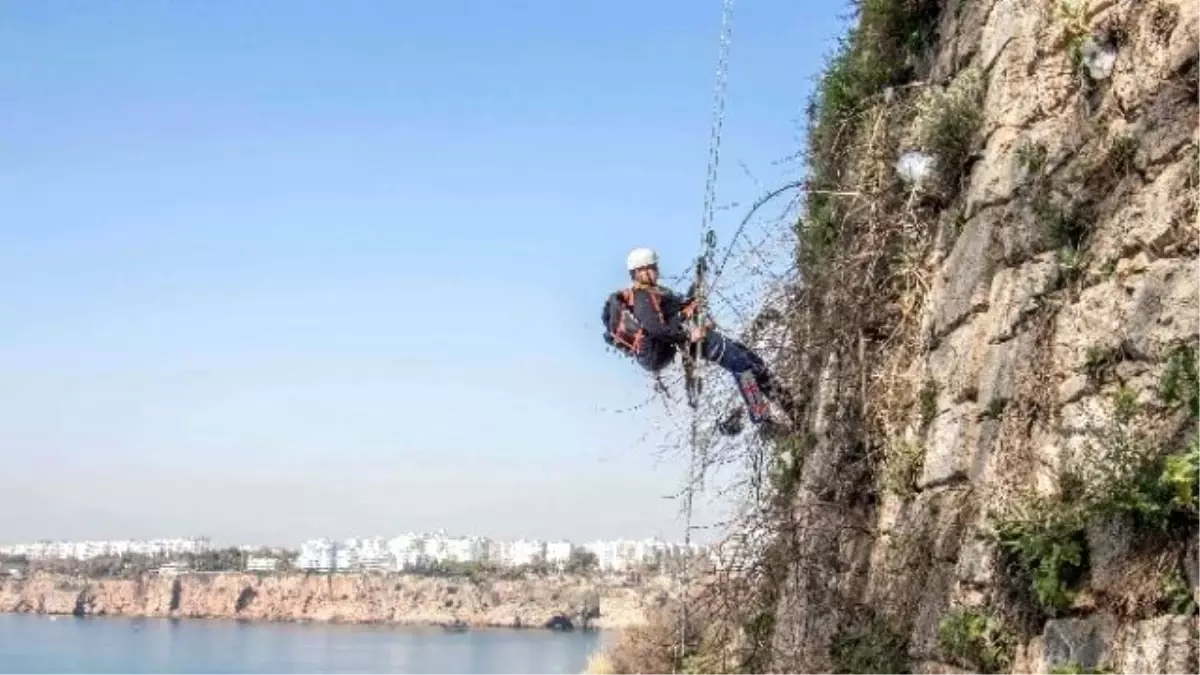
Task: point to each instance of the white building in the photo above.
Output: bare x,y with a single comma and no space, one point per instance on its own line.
407,551
464,550
371,555
605,552
526,552
318,555
558,553
261,564
173,568
345,559
84,550
624,554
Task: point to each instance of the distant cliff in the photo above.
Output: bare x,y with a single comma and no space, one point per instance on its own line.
349,598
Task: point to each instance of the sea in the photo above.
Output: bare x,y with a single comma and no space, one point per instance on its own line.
31,643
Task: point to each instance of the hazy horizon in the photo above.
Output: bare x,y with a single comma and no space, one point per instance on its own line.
275,271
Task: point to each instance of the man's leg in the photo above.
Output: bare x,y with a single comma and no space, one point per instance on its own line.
731,354
736,357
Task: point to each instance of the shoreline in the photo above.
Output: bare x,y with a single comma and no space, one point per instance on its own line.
407,626
383,600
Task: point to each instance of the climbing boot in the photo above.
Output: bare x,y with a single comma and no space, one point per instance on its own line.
771,388
732,423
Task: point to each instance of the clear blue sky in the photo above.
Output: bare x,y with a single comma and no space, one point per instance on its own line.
272,270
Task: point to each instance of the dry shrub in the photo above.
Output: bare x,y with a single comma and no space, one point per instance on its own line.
949,123
649,648
711,644
1137,582
599,664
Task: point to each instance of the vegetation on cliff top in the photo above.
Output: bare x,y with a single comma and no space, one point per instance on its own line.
133,564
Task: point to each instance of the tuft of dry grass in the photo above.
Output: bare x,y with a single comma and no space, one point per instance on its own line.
713,641
949,123
644,649
599,664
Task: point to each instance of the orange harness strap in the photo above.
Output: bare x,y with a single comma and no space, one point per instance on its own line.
654,294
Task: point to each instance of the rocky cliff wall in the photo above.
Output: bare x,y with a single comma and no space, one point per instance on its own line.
351,598
991,427
994,335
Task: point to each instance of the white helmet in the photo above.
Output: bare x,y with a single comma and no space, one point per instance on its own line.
641,257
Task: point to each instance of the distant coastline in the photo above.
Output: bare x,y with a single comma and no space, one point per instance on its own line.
399,599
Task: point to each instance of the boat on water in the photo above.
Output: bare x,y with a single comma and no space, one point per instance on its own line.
560,622
456,626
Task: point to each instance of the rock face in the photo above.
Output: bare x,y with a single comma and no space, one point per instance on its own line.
350,598
1083,259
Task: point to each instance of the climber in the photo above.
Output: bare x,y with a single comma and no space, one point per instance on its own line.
647,322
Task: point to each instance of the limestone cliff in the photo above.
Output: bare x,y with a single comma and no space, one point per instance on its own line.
995,331
350,598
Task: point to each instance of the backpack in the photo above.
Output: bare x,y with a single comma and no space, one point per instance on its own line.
622,330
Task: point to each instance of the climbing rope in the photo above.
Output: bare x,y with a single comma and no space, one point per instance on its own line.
708,242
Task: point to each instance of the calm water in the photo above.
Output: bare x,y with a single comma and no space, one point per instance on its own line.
37,644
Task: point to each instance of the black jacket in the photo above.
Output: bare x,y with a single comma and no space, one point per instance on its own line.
662,318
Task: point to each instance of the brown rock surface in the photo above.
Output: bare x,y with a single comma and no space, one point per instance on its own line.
351,598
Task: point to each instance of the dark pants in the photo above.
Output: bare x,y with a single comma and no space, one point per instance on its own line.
736,358
731,355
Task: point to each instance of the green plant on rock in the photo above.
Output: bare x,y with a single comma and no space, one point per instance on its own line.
1181,477
787,462
818,232
888,40
759,625
1045,540
1072,18
1061,220
974,639
1125,405
1121,477
1179,384
949,122
1075,58
1121,155
1129,477
700,662
1098,360
1070,263
1178,595
876,53
928,402
1031,156
901,468
875,647
959,221
994,409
